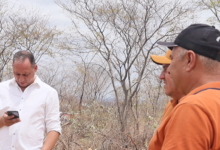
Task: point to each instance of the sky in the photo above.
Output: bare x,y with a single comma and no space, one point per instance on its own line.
58,18
46,7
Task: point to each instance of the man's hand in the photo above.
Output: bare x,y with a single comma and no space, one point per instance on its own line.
6,120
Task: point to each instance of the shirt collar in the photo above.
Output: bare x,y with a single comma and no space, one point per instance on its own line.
208,85
37,81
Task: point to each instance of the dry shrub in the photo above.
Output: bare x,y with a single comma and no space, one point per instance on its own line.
97,127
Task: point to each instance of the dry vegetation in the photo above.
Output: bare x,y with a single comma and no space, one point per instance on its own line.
97,127
107,84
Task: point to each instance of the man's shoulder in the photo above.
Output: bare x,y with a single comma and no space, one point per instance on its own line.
206,91
46,87
209,93
5,83
204,99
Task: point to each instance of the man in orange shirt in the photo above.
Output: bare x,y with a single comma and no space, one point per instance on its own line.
168,87
194,124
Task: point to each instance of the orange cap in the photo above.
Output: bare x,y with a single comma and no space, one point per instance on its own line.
162,59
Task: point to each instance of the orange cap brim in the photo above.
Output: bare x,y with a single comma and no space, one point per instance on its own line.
162,59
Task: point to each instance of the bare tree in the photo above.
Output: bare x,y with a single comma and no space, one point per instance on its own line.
210,5
93,80
124,33
8,37
35,33
19,31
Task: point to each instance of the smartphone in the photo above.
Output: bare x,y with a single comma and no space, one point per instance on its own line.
14,113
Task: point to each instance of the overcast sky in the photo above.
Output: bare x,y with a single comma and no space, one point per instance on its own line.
59,19
47,7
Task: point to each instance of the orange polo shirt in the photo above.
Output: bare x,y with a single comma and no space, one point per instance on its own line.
194,123
172,103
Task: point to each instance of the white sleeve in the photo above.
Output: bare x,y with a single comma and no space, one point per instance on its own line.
52,116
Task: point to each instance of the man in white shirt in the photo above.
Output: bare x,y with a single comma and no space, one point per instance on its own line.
37,104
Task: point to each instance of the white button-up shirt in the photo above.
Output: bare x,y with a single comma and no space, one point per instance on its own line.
38,108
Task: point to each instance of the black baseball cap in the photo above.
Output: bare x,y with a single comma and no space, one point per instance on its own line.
200,38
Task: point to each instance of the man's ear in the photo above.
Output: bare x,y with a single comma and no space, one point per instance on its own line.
191,58
35,67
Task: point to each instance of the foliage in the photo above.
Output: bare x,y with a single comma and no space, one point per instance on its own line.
96,127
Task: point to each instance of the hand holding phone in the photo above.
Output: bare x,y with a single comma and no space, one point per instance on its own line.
14,113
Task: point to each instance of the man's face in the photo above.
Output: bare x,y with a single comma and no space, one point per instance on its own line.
167,87
24,73
175,69
168,84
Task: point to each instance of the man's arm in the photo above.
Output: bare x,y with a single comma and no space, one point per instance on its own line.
52,120
6,120
51,140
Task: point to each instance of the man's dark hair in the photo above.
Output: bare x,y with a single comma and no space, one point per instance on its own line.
22,55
